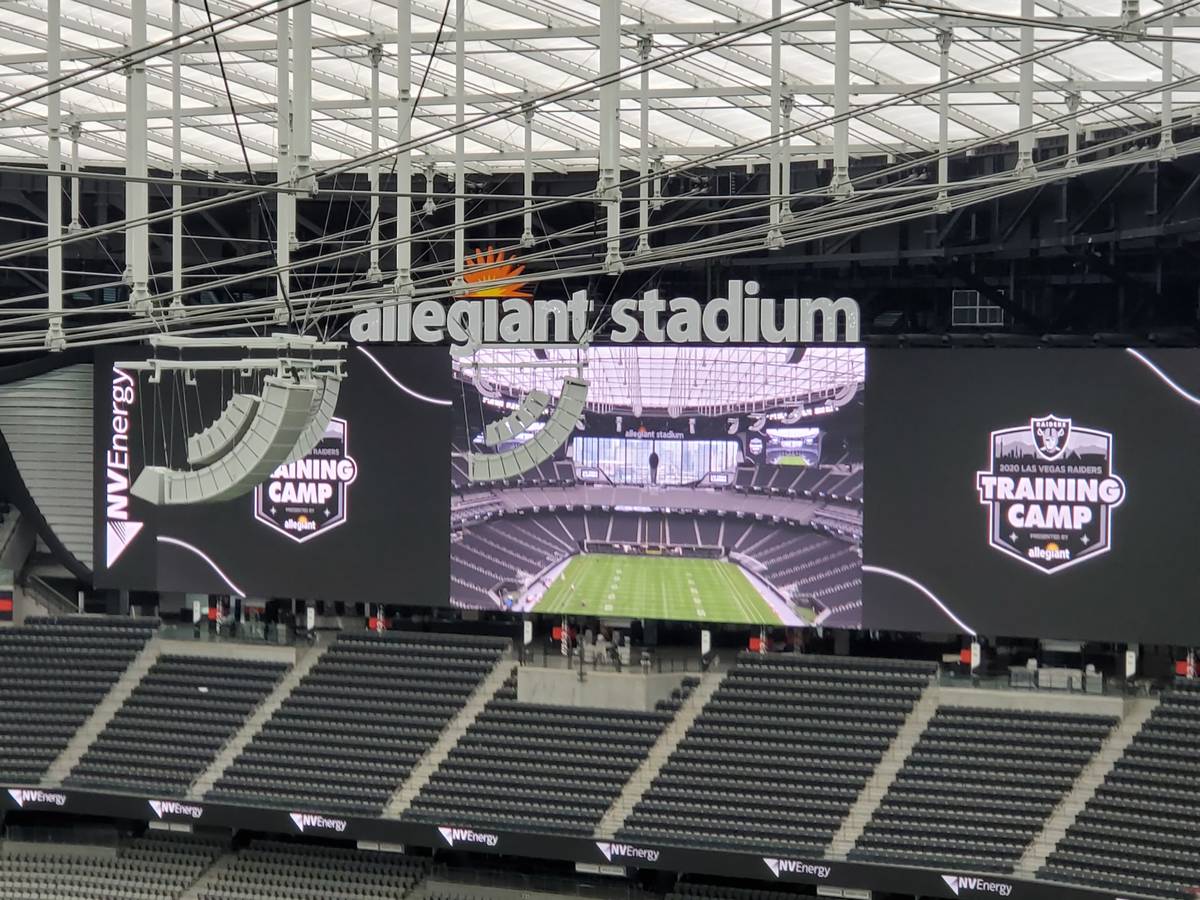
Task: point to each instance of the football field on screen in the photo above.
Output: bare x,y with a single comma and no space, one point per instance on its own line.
648,587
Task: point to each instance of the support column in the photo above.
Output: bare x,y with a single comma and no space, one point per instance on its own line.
610,132
374,275
785,161
176,168
460,175
285,202
774,235
839,185
137,202
1166,141
527,215
404,113
942,204
74,130
1025,164
55,337
301,145
1073,129
645,44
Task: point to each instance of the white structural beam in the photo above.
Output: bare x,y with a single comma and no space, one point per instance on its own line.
527,203
774,234
942,203
1167,139
404,116
1025,99
645,44
302,74
460,170
839,185
374,273
137,204
55,337
285,204
74,130
610,131
176,166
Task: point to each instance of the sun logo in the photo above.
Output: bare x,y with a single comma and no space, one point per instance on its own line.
491,267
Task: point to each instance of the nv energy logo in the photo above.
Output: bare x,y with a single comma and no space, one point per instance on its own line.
964,883
119,529
309,497
23,797
613,852
781,867
454,836
164,808
1050,490
305,821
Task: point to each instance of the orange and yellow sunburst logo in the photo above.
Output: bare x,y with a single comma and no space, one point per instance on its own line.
481,269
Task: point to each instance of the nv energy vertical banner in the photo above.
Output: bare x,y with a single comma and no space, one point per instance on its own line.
364,516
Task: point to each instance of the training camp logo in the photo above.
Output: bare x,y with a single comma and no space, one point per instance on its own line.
613,852
23,796
781,867
309,497
164,808
1050,490
304,821
960,883
454,836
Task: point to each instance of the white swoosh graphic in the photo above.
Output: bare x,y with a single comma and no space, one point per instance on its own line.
879,570
1166,379
204,556
392,378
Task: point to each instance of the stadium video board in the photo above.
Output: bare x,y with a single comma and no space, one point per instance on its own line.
708,484
362,517
1040,493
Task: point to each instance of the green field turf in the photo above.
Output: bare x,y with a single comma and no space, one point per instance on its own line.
648,587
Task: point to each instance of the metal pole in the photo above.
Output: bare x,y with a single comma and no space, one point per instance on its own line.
774,235
460,174
527,215
285,204
74,131
55,337
610,132
785,161
839,185
302,99
176,167
942,203
1166,141
1025,140
374,274
137,203
404,112
645,43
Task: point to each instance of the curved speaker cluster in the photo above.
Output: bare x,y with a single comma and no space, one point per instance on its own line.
498,466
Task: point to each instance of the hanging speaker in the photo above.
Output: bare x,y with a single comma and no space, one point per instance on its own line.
532,406
217,439
572,399
323,406
281,416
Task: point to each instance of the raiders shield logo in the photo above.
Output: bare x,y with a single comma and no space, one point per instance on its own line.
1050,491
309,497
1050,434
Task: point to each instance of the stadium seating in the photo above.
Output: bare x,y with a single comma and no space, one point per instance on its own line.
779,754
154,867
268,870
1140,832
350,732
979,786
174,723
53,672
563,767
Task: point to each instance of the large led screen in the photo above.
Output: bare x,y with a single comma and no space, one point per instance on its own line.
1034,493
714,484
362,517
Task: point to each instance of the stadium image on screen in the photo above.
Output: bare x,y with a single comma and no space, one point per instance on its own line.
714,484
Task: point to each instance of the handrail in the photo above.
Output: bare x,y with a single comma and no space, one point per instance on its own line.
51,595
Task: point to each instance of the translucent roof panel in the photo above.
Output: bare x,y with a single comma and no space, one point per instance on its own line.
709,87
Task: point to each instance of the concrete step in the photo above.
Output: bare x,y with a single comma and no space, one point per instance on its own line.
428,764
102,714
306,658
885,773
675,731
1137,712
